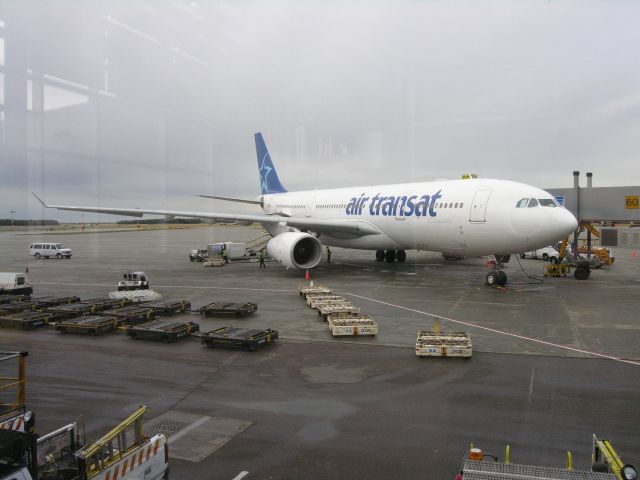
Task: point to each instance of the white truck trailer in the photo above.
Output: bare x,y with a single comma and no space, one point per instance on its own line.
15,284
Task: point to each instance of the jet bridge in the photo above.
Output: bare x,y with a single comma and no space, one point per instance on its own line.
603,204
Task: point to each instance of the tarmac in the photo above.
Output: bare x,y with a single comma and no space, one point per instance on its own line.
555,360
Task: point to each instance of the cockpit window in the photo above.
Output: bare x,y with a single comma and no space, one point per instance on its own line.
547,202
532,203
522,203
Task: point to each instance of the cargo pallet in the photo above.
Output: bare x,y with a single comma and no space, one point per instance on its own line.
314,300
248,339
27,320
162,330
100,304
439,344
220,309
92,325
168,307
46,302
131,315
306,290
351,325
9,308
84,307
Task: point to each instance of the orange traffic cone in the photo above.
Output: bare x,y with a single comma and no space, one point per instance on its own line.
307,277
634,254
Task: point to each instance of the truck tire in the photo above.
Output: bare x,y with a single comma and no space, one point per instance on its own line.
553,260
58,255
38,255
545,257
581,273
522,255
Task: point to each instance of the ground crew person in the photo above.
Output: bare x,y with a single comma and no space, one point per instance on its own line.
225,256
328,255
261,258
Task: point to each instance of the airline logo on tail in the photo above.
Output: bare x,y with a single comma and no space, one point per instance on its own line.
269,181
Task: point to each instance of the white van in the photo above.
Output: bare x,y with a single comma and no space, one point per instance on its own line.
47,250
15,284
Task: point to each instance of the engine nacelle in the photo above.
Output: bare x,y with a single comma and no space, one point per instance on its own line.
295,250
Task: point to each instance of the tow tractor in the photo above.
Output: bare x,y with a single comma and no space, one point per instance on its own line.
133,281
563,267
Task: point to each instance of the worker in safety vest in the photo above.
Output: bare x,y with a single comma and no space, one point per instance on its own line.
328,255
261,258
225,256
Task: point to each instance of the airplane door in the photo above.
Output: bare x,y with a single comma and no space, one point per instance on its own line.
308,207
479,205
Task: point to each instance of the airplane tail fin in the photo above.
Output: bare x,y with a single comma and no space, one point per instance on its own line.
269,181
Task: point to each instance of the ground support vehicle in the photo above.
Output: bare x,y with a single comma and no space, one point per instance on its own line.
603,253
133,281
15,284
354,325
198,255
306,290
548,254
557,270
27,320
248,339
47,250
59,455
234,251
314,300
325,310
605,465
92,325
440,344
224,309
131,315
163,330
169,307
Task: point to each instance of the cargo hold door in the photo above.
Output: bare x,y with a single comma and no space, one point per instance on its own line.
479,205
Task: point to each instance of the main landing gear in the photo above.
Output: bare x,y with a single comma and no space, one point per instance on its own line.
391,255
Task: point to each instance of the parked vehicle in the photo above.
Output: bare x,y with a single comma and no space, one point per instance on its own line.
133,281
15,284
234,251
199,255
548,254
46,250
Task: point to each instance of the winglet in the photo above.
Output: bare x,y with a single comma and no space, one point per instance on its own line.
40,200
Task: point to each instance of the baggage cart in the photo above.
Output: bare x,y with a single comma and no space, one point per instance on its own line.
345,316
306,290
440,344
72,310
314,300
17,307
169,307
325,310
27,320
248,339
131,315
225,309
46,302
92,325
13,298
353,327
213,262
163,330
104,303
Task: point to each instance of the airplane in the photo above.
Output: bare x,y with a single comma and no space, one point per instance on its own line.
469,217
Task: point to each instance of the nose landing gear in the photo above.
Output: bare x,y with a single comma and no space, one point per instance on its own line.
497,277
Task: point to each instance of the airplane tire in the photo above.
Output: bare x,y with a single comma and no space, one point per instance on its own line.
401,255
502,278
390,256
493,278
379,255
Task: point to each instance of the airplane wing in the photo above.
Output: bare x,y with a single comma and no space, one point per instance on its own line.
354,227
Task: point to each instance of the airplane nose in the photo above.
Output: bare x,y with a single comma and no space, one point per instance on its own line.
565,222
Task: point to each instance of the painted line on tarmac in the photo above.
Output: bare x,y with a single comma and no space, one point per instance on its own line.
198,287
501,332
241,475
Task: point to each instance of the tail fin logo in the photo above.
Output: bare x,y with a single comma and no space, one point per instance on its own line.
269,181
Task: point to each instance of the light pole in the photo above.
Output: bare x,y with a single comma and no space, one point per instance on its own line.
12,212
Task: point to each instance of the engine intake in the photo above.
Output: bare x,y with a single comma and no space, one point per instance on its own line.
295,250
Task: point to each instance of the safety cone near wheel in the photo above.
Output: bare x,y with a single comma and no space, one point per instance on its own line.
307,277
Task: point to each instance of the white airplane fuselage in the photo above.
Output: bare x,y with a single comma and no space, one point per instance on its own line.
466,217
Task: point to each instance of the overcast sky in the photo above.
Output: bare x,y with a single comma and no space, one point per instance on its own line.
346,93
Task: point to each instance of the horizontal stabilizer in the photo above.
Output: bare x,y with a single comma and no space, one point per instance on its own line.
232,199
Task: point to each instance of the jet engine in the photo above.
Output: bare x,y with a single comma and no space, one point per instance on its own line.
295,249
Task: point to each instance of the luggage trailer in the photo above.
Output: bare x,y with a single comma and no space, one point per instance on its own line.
249,339
221,309
27,320
168,307
92,325
131,315
162,330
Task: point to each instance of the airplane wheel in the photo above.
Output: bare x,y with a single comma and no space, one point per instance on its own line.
493,278
390,256
379,255
502,278
401,255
